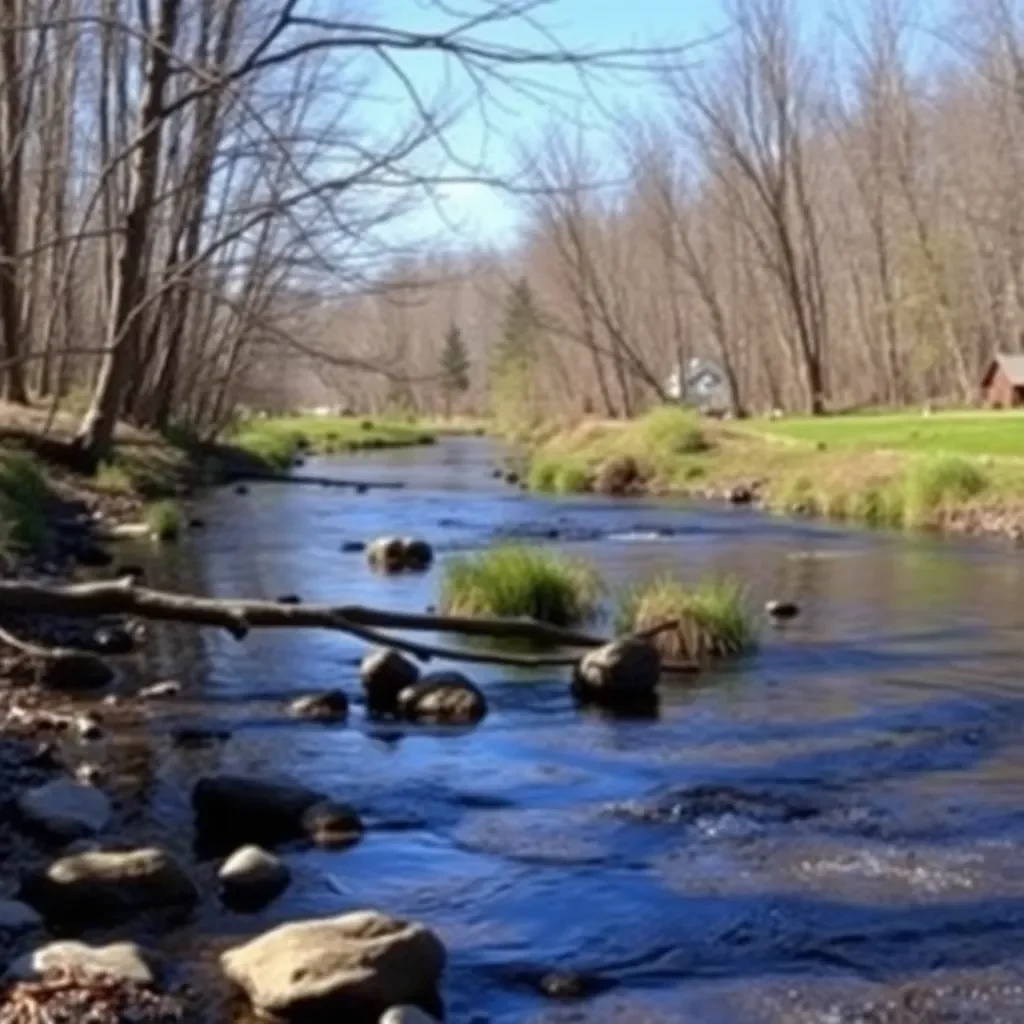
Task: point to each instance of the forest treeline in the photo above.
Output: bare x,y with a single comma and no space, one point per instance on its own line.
832,212
198,202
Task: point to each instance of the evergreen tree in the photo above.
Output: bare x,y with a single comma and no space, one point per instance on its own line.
454,367
514,358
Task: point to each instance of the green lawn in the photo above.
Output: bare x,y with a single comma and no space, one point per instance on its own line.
963,433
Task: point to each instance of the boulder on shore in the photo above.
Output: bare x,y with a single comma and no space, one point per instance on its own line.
251,876
234,810
330,706
120,961
361,963
385,674
622,672
98,886
443,698
65,810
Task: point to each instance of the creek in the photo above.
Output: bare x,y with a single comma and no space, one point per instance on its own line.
827,830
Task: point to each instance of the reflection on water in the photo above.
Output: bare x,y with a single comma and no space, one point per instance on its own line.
826,831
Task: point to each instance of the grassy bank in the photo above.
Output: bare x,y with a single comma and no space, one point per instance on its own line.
279,441
955,471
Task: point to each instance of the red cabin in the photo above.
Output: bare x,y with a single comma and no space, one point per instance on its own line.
1002,387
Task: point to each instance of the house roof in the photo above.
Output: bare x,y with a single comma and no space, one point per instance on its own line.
1012,367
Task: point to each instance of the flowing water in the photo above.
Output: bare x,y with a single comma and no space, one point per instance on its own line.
828,830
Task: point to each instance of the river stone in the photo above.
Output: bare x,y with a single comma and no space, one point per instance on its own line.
385,674
330,706
17,918
331,824
624,670
406,1015
75,670
618,475
386,554
233,810
782,611
358,963
253,874
112,640
446,698
416,554
122,961
109,885
65,810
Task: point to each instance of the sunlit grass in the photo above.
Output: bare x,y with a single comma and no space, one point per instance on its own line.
714,617
517,581
165,520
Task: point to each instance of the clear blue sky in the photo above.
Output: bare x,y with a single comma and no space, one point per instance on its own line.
481,213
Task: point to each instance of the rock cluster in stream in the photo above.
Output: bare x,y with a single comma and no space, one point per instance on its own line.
399,554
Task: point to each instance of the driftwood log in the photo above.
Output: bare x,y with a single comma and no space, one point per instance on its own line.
238,617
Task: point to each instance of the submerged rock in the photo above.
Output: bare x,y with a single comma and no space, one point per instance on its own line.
120,961
65,810
75,670
385,674
17,918
416,554
234,810
330,706
252,876
332,824
444,698
109,885
358,963
289,599
352,547
621,672
782,611
113,640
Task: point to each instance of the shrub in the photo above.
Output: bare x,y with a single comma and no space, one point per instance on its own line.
797,496
714,617
113,478
670,430
515,581
878,504
24,495
165,520
933,483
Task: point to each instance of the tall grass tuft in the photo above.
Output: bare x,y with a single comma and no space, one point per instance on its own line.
516,581
670,430
165,520
932,484
714,617
24,495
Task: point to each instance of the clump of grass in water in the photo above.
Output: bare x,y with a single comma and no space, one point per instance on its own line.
934,483
165,520
24,494
714,617
113,478
520,581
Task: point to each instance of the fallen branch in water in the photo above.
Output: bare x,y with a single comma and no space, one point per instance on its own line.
238,617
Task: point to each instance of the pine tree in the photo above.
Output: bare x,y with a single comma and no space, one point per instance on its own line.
514,358
454,367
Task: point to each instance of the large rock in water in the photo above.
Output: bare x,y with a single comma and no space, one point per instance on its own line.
251,877
385,674
398,554
622,672
64,810
329,706
360,964
443,698
233,810
99,886
406,1015
121,961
